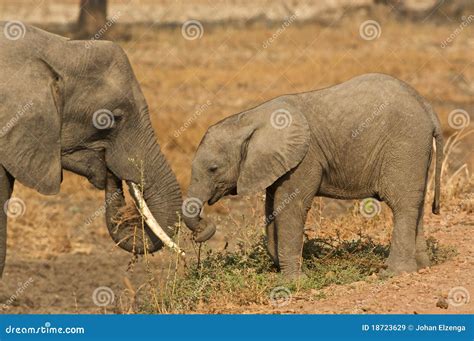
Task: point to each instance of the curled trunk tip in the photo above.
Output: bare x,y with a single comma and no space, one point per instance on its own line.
192,210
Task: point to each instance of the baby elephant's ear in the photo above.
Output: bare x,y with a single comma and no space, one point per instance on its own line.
278,143
30,125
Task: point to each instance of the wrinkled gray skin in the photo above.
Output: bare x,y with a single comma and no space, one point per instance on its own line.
371,136
50,89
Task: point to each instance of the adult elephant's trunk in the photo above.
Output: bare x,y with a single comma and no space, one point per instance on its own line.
193,216
161,194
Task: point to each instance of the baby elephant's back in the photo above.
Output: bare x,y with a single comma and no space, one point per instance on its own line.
365,122
366,110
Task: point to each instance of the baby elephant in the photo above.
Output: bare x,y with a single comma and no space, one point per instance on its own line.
371,136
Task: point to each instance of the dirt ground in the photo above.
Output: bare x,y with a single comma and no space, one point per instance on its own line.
416,293
59,251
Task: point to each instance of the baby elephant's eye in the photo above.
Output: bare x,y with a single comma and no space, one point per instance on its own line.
213,169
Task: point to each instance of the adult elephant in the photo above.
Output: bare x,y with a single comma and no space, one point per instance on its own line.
77,105
371,136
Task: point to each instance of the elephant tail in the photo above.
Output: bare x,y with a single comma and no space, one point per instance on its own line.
438,135
439,143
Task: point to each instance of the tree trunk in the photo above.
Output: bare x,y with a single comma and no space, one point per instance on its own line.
92,17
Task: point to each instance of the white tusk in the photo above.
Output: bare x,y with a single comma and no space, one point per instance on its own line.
151,221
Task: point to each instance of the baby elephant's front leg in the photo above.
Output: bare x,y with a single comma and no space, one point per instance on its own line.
290,213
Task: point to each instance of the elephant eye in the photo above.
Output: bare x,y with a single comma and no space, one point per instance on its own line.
213,169
118,114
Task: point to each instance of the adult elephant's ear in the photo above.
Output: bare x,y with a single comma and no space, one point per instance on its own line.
30,125
277,142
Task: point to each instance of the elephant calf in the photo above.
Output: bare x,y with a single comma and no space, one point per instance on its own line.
371,136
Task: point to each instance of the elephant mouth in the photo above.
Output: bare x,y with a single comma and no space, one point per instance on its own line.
213,200
217,196
122,225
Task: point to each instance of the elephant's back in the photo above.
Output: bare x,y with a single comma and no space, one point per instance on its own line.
376,104
356,125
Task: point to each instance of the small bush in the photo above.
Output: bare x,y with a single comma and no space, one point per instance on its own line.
247,275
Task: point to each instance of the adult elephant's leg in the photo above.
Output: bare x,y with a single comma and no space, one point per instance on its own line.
270,224
6,189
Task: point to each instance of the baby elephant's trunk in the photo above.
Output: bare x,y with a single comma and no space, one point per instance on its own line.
192,215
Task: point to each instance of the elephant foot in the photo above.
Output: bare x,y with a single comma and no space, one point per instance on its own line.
422,260
294,276
399,266
274,260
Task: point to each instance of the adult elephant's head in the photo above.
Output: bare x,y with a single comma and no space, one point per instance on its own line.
244,154
77,105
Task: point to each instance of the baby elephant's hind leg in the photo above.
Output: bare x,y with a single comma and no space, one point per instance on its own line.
402,248
404,187
408,246
422,258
